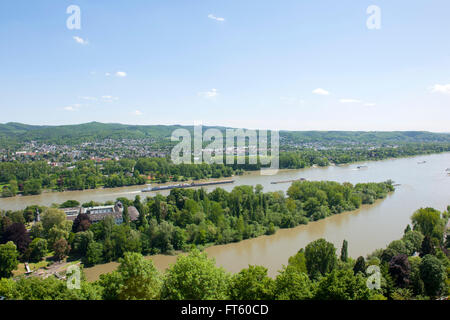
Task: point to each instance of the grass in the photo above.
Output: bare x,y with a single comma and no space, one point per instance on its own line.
33,266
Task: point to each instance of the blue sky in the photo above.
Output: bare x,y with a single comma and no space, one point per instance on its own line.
288,64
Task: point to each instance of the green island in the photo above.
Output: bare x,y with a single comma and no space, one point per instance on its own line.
414,267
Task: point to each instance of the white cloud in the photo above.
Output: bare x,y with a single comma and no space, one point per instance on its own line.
213,17
349,101
121,74
441,88
107,74
109,98
73,107
89,98
80,40
321,92
138,113
209,94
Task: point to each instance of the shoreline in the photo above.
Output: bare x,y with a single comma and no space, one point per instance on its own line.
246,172
164,261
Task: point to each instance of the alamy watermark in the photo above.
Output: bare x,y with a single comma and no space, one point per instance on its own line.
237,147
73,22
73,277
374,280
374,20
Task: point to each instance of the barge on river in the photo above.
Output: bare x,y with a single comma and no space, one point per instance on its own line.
288,181
186,185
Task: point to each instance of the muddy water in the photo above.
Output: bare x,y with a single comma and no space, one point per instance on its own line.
366,229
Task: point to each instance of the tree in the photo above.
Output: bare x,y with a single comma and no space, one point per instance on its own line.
61,248
344,251
298,261
291,284
81,242
413,241
81,223
360,266
428,222
38,249
251,284
34,288
5,222
32,186
8,259
135,279
407,229
320,258
37,230
395,248
427,247
342,285
400,270
70,204
195,277
432,272
18,234
94,253
54,218
416,283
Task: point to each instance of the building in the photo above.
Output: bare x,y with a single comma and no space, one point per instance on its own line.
133,213
97,214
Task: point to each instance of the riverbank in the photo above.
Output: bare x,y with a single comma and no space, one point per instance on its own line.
162,262
244,172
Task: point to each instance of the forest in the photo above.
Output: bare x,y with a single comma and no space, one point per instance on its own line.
415,267
184,219
14,134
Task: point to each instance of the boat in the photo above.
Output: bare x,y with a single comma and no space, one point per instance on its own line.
421,162
288,181
186,185
362,167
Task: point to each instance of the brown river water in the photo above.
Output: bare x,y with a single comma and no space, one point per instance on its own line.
366,229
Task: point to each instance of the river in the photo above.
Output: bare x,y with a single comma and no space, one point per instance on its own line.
366,229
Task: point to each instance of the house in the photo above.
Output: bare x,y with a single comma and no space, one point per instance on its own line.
98,213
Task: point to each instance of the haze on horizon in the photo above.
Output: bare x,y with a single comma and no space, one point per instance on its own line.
295,65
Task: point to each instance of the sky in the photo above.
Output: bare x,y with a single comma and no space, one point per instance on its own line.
280,65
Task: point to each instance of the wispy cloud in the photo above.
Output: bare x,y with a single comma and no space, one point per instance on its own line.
89,98
349,101
213,17
69,108
109,98
73,107
209,94
121,74
441,88
321,92
80,40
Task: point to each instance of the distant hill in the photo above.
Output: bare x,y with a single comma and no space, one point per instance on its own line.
17,133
